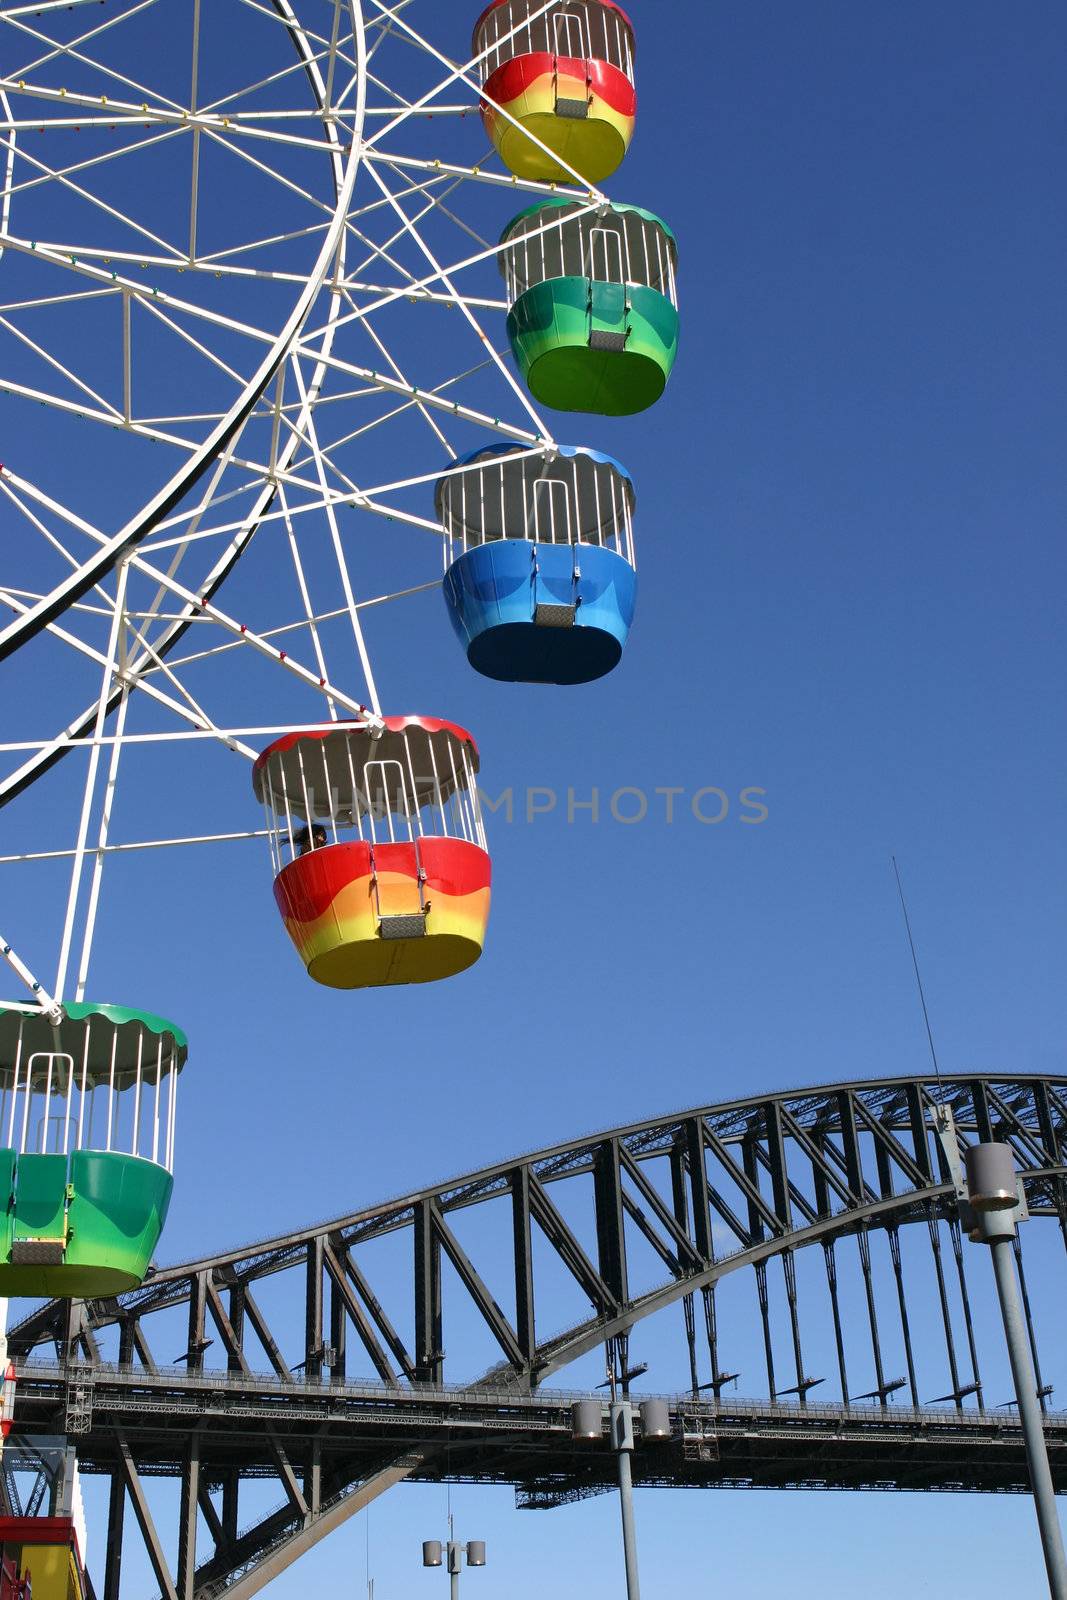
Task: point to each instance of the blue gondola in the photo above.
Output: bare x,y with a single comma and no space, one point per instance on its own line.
539,555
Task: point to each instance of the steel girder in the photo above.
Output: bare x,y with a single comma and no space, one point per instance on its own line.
712,1192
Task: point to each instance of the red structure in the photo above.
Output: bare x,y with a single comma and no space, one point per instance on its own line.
40,1559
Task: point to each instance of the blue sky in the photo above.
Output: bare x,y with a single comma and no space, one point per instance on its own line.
850,518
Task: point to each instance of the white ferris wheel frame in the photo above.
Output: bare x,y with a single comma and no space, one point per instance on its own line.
307,352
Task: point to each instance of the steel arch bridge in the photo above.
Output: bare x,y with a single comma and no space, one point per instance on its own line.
327,1360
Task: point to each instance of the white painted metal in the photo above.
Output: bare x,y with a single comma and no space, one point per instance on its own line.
299,426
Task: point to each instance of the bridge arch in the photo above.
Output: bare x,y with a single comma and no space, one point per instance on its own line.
711,1195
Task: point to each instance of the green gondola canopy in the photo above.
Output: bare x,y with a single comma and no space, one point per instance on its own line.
561,202
93,1035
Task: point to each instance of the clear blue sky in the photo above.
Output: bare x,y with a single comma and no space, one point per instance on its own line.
851,503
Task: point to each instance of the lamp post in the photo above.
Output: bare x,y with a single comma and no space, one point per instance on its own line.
587,1418
434,1554
993,1192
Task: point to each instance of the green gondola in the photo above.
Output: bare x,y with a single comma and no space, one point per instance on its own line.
593,323
87,1116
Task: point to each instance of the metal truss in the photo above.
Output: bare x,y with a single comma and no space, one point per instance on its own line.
366,1388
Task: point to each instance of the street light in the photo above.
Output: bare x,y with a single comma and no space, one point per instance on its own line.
587,1423
993,1191
434,1554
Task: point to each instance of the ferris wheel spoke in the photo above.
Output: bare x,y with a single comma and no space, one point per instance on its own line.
271,14
126,846
287,183
235,128
82,606
401,30
189,521
338,548
135,676
438,202
442,274
25,975
432,398
310,620
384,28
219,258
49,174
194,516
437,275
69,51
197,344
420,478
121,116
479,174
468,110
349,495
189,418
423,409
74,408
399,411
173,256
333,53
129,536
43,8
103,828
247,635
360,215
354,286
154,631
400,101
58,366
112,660
199,715
75,297
382,252
19,490
317,620
176,119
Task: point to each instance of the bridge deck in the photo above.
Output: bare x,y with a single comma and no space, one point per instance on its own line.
491,1435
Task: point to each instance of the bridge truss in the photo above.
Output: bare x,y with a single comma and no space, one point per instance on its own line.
336,1360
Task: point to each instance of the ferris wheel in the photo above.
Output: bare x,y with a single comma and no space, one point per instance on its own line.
228,443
